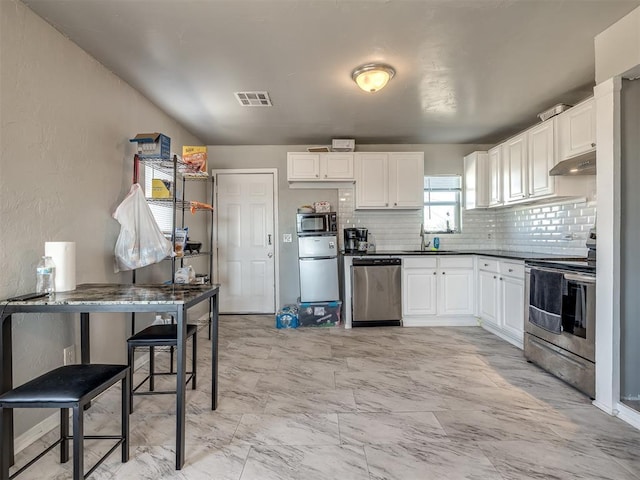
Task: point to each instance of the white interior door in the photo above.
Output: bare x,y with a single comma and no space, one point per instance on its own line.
246,236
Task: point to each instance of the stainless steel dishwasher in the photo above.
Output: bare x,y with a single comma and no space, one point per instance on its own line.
376,293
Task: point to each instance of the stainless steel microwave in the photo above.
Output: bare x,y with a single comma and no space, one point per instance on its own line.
317,223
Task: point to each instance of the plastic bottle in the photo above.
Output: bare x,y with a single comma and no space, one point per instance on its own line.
46,276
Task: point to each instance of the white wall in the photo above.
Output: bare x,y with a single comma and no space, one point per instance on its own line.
65,164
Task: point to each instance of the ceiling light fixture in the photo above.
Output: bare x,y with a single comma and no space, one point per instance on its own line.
373,76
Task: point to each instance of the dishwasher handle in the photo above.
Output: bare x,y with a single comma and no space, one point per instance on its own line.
376,262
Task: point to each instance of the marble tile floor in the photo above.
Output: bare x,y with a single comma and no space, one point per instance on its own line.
378,403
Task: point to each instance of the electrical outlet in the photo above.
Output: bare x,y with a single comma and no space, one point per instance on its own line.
286,238
69,355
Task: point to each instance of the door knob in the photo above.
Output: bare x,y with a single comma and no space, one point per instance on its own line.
270,254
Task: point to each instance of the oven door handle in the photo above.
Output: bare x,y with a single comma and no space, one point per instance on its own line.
574,277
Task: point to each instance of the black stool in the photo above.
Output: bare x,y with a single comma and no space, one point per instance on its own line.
164,335
71,386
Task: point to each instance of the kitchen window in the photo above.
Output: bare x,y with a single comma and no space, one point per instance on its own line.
442,203
162,214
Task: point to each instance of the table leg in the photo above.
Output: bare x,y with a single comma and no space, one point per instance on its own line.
85,347
214,351
6,384
181,354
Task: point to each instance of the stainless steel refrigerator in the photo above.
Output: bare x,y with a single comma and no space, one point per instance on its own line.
318,265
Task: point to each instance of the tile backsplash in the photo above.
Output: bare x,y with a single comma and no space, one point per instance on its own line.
560,227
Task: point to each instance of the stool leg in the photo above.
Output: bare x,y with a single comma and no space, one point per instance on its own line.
64,435
4,451
194,360
78,442
152,368
126,388
132,355
171,358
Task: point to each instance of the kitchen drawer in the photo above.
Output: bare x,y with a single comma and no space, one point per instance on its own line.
488,264
419,262
512,269
456,262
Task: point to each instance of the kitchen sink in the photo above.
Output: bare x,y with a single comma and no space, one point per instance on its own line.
428,252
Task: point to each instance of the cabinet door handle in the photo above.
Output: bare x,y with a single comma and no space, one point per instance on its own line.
500,278
511,269
269,239
486,264
434,273
593,144
443,273
494,276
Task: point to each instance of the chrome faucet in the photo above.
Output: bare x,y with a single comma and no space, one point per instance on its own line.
423,245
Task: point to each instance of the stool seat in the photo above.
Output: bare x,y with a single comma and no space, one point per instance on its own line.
159,335
68,384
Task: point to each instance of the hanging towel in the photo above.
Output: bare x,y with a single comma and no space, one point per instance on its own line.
545,300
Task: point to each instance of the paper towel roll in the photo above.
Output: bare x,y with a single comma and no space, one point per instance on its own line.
64,257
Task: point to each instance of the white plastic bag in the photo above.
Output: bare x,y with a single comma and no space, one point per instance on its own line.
140,242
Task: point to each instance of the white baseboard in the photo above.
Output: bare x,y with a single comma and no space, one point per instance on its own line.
438,321
629,415
516,342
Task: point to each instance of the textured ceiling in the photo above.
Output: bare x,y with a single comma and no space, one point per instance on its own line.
468,71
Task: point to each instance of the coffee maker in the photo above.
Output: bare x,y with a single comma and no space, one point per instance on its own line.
350,240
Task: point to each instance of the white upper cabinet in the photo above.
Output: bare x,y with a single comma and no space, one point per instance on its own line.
406,180
372,180
541,158
336,166
577,130
476,180
495,176
514,170
320,167
389,180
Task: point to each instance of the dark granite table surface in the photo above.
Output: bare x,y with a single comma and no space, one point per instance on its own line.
121,294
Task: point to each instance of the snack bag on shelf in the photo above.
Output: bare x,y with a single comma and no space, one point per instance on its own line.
195,159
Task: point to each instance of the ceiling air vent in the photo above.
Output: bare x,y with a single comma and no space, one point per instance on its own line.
253,99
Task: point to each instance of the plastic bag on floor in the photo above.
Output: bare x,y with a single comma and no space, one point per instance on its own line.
140,242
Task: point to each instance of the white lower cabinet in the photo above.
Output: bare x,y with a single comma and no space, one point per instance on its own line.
501,299
419,277
438,290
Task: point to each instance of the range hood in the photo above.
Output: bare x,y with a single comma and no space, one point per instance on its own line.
584,164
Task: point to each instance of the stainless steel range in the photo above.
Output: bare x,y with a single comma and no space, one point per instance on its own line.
560,319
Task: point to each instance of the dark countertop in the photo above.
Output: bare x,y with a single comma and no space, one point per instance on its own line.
487,253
